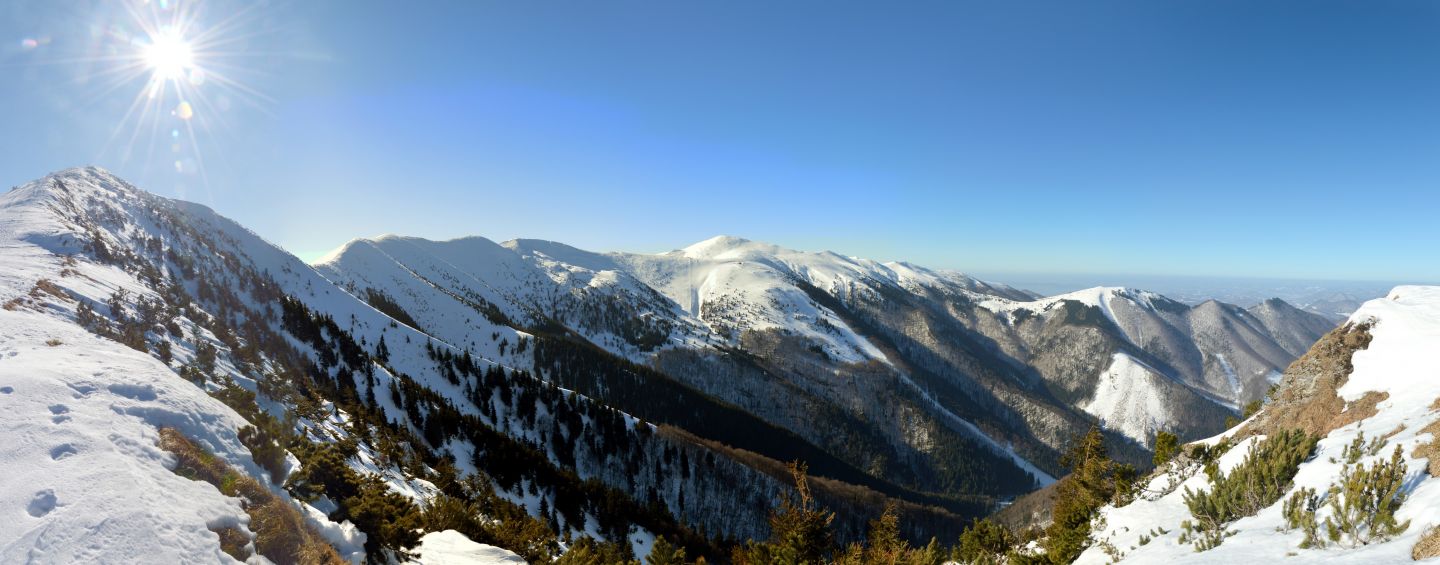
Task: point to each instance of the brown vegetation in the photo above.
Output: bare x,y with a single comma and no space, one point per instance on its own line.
233,541
1031,511
1431,449
1307,398
1428,546
44,286
836,494
281,534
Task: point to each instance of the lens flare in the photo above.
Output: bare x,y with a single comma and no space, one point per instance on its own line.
187,61
168,55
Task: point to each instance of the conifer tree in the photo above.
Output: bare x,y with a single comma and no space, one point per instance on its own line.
1167,446
984,541
382,353
1364,501
1089,486
663,553
800,532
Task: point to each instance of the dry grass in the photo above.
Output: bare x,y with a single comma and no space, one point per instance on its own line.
37,294
1431,449
1428,546
1307,398
44,286
233,541
281,534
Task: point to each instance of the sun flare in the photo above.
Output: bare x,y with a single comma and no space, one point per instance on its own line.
168,56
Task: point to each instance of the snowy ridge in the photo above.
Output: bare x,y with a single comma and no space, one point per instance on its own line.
1130,399
734,285
86,480
87,410
711,295
104,490
706,297
1222,353
1401,360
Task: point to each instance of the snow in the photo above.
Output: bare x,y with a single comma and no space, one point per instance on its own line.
85,480
641,542
1130,398
1401,360
1098,297
83,412
1230,376
730,282
450,547
711,291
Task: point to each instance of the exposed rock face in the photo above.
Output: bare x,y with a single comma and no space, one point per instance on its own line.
1307,398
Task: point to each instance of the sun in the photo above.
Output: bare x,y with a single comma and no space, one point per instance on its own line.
168,55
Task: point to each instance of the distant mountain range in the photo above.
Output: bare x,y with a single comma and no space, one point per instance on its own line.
1332,299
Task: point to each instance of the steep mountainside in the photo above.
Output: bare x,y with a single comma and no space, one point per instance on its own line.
613,396
1366,492
564,294
887,365
1195,359
183,306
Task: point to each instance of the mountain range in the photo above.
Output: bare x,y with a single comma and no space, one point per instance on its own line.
618,396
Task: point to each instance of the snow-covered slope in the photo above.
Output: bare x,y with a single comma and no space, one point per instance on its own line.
450,547
1402,364
696,303
975,355
1213,357
1130,398
156,307
85,481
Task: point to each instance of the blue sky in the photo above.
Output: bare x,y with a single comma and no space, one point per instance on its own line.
1222,138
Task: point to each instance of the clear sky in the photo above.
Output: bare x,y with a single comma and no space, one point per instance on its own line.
1225,138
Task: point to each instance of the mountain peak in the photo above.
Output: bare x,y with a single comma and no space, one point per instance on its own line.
88,178
1277,303
716,246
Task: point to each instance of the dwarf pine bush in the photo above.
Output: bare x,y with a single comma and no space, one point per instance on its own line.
1363,503
1299,512
1257,482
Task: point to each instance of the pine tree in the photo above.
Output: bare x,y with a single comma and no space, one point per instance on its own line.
1089,486
382,353
984,541
1167,446
1256,483
1364,502
800,532
884,536
663,553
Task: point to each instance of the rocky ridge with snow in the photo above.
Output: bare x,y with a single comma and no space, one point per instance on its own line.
1374,381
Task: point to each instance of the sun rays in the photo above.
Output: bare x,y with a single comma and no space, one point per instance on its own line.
185,67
